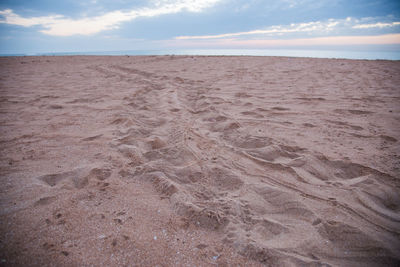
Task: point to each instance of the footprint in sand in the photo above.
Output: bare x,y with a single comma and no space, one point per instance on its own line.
350,240
247,141
252,114
43,201
79,178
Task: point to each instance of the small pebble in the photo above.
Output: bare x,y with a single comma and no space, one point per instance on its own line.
155,237
66,253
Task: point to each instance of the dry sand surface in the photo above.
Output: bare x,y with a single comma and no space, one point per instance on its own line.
199,161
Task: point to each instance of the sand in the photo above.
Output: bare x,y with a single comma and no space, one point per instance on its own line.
199,161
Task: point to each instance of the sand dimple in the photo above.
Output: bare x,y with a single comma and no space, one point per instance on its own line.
75,176
162,183
224,180
247,141
349,242
79,177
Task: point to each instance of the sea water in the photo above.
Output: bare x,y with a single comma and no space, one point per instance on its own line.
353,54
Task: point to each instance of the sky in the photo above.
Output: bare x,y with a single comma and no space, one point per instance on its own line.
48,26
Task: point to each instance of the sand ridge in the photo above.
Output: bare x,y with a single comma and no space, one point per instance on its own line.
259,160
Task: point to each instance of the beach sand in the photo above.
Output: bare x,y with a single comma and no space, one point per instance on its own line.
199,161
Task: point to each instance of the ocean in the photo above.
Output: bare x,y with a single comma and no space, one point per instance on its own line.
353,54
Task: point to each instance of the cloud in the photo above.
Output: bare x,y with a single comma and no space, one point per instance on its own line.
11,18
386,39
274,30
342,26
331,40
376,25
178,5
58,25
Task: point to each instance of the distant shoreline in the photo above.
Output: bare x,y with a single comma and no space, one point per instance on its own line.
298,53
195,56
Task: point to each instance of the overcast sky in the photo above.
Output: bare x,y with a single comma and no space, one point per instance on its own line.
39,26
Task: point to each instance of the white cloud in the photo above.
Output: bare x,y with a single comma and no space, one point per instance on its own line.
59,25
314,26
387,39
12,18
189,5
376,25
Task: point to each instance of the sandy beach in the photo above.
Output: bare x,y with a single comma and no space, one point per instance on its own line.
199,161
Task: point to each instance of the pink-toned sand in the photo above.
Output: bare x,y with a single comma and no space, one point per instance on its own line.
199,161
